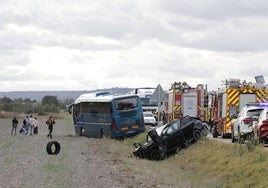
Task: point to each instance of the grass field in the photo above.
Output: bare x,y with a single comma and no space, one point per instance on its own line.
216,164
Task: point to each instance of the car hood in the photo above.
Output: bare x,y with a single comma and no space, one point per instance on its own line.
160,129
155,137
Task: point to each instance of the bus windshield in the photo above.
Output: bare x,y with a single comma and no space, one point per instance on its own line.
126,104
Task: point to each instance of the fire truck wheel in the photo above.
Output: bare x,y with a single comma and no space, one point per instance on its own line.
214,131
53,148
197,135
233,138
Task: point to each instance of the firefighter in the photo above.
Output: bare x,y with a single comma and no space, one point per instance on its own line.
164,118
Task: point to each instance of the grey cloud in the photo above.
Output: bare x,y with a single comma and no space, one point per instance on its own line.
122,21
216,9
13,58
210,25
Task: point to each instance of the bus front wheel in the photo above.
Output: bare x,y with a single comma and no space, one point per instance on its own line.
79,131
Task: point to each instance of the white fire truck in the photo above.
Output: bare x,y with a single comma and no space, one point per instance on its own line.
186,100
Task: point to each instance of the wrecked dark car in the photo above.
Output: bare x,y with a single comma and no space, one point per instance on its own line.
165,140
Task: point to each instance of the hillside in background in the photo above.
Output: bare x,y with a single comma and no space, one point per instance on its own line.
61,95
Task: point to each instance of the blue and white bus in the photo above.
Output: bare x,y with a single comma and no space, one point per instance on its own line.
103,114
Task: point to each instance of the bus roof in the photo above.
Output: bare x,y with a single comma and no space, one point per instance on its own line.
99,97
143,92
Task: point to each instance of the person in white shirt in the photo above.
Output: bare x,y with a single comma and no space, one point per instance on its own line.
36,125
31,125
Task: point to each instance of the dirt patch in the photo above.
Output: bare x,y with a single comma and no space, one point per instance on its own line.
82,162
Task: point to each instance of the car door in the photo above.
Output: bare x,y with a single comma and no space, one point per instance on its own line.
187,125
173,136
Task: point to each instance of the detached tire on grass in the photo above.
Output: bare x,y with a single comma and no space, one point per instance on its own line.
53,148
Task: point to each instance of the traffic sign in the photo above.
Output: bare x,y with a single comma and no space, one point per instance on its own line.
158,95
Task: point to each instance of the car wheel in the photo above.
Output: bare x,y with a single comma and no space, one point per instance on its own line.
240,139
155,155
249,136
197,135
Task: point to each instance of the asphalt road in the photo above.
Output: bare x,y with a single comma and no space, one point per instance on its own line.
220,139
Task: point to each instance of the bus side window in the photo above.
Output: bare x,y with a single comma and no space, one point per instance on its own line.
94,111
120,106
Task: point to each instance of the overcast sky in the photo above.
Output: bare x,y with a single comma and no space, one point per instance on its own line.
96,44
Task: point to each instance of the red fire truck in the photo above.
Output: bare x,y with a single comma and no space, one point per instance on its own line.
229,99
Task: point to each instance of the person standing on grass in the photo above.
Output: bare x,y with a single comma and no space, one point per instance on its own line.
36,125
26,124
15,123
31,125
50,122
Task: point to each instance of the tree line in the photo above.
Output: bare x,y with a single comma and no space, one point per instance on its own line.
49,104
